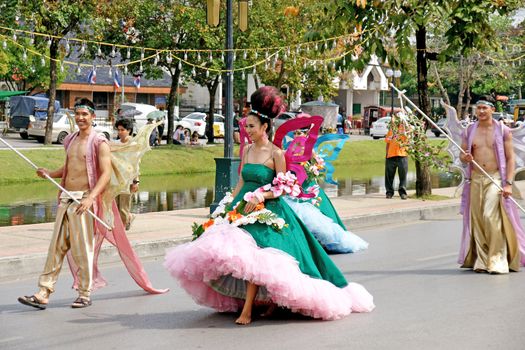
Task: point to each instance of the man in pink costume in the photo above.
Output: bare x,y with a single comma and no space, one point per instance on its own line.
85,174
493,238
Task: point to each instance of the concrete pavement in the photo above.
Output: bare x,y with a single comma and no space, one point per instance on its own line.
423,301
23,248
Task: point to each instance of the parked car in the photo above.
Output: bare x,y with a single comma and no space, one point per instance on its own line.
283,118
138,112
63,126
24,109
508,119
197,122
380,128
441,123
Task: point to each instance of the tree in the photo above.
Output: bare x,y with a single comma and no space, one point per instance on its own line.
388,27
310,71
19,69
173,29
57,19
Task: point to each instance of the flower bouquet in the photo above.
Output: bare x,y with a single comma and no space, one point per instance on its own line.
315,168
226,213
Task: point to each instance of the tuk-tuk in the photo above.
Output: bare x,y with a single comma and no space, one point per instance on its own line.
23,108
373,113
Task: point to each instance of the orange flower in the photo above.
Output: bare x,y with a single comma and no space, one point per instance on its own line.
233,215
208,224
291,11
259,206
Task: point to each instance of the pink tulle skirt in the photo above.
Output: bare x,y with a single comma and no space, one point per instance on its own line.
226,250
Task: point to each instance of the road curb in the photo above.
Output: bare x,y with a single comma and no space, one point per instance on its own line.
23,266
400,216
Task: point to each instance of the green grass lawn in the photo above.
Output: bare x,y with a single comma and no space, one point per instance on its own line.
181,160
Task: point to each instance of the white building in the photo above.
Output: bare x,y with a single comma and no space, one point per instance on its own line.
359,90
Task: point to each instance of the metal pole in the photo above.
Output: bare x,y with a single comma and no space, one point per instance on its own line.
55,183
123,84
392,97
228,128
402,94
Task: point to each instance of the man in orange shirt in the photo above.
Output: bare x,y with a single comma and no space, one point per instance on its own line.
396,158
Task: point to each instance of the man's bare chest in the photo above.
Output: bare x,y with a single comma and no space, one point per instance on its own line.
483,139
76,153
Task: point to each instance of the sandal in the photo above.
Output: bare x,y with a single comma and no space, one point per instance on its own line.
32,301
81,303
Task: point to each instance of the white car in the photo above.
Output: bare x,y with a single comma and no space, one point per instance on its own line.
140,118
380,128
197,121
282,118
63,127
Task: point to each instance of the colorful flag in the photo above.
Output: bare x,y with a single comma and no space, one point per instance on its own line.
116,80
92,76
136,81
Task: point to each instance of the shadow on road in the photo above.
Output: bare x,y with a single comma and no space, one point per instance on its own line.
192,319
423,272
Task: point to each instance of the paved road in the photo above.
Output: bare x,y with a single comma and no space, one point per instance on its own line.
424,301
16,141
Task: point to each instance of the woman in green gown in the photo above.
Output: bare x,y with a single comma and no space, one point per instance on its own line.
231,267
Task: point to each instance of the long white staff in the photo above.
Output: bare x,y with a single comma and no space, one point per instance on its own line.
55,183
402,94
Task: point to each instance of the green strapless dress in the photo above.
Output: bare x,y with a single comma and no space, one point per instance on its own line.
294,239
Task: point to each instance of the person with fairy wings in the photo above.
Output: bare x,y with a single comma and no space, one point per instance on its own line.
317,213
255,250
493,239
93,175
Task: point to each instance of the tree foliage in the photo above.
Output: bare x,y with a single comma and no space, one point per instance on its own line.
57,19
389,28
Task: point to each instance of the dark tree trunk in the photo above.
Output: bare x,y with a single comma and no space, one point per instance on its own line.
171,103
53,54
423,184
212,89
469,99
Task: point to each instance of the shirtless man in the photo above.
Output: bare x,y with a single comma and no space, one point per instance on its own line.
490,242
74,227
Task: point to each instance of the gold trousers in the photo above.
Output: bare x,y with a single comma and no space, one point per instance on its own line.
493,243
75,233
124,208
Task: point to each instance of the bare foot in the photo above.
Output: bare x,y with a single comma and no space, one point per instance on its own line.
244,319
269,312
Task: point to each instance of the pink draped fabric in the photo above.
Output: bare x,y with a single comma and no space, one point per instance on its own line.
117,236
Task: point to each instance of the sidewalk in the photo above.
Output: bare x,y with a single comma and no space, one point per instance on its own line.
23,248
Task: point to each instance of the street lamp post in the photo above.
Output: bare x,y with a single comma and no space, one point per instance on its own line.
392,75
226,168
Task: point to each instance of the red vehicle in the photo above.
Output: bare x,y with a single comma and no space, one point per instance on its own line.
373,113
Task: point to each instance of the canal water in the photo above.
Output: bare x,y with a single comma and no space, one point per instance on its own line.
36,203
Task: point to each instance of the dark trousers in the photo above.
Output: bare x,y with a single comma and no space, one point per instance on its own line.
391,164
